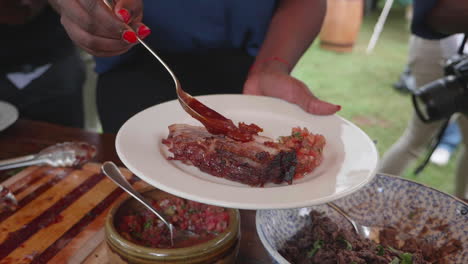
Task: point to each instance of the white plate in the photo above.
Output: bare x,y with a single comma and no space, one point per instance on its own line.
350,156
8,115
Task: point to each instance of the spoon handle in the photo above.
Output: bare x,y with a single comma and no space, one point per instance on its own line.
20,162
345,215
110,4
17,159
113,172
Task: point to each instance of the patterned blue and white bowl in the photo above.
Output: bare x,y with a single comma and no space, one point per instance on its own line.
386,201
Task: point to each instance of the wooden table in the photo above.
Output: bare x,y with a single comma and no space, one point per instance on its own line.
27,137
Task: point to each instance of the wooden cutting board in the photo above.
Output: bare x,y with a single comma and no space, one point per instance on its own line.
60,216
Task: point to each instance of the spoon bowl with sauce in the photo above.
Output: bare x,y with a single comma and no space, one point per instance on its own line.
213,121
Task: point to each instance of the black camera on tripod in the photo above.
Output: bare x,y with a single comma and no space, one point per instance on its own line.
442,98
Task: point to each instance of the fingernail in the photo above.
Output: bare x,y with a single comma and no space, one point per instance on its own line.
124,15
129,36
143,31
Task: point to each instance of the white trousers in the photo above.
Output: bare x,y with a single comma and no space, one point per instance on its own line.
426,58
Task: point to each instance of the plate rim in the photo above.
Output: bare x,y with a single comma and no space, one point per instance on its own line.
12,117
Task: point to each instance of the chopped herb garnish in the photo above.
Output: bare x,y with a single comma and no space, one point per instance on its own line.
380,250
148,224
349,246
394,250
297,135
317,245
406,258
136,234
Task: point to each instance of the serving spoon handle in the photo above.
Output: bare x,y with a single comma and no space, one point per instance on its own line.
18,162
213,121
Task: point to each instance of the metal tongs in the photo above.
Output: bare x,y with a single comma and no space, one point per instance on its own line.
65,154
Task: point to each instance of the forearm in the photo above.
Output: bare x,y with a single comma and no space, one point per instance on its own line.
293,28
449,16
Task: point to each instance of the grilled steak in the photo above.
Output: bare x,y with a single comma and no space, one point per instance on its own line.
254,163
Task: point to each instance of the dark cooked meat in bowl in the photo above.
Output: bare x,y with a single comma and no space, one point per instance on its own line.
410,223
323,241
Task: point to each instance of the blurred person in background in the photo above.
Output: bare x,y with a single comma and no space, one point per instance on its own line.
434,23
213,46
405,83
41,72
452,136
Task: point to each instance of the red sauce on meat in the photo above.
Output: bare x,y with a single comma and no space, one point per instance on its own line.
217,124
203,221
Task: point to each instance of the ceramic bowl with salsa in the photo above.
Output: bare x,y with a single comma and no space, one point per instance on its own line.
207,233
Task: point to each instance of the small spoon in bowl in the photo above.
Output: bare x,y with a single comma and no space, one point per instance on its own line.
365,231
114,173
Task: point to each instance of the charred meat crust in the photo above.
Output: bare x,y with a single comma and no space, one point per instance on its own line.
254,163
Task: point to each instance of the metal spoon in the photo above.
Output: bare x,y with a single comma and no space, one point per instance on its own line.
212,120
64,154
362,230
113,172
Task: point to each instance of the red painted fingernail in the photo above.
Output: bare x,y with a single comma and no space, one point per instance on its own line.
129,36
124,15
143,31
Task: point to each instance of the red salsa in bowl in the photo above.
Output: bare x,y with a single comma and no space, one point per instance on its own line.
204,233
201,222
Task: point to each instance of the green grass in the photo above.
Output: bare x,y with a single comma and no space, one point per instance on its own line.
362,85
